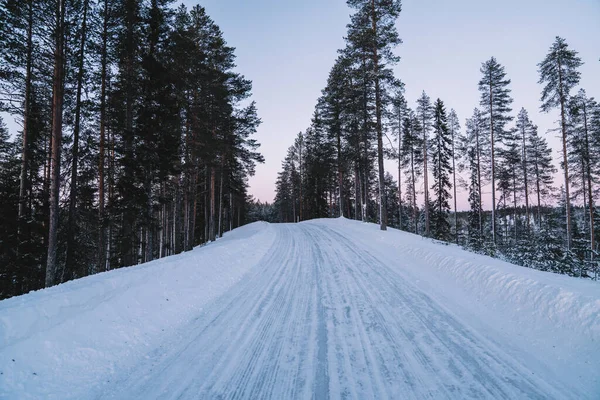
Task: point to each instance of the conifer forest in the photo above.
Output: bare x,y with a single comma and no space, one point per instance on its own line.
317,199
540,214
136,140
135,136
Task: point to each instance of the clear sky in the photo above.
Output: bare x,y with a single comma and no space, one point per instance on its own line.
288,47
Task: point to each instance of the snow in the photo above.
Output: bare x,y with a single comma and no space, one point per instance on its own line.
62,342
324,308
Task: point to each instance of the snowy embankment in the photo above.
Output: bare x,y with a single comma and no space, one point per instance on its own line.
322,308
556,316
75,335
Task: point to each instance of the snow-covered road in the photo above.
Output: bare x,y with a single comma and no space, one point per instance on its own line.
322,317
326,309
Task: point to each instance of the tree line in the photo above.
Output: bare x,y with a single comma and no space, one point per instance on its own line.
335,167
135,140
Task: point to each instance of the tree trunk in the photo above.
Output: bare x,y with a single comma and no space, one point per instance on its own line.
149,253
129,229
357,195
211,223
301,207
425,180
103,76
589,181
378,127
399,188
563,123
525,178
414,191
514,176
493,163
340,176
71,224
57,104
454,187
219,228
480,210
111,194
23,181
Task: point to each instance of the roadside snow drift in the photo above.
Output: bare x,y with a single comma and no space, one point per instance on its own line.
62,342
320,309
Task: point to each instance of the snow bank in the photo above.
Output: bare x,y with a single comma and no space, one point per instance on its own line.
557,315
81,330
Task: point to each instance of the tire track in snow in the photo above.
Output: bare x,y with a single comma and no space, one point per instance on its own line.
496,374
320,317
252,344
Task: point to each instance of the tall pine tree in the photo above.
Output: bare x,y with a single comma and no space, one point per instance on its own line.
559,74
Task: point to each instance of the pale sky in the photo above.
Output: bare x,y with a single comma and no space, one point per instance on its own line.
288,47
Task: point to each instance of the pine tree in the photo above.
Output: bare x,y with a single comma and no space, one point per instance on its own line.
71,223
106,32
397,117
425,115
454,128
377,20
52,277
495,100
525,129
331,106
559,75
508,180
139,106
580,111
26,87
540,168
412,160
441,155
476,141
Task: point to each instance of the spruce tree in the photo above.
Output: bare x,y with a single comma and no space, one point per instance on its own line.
474,224
441,155
559,74
495,101
425,115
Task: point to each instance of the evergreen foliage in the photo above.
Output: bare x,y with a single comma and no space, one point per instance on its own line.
559,75
137,138
441,155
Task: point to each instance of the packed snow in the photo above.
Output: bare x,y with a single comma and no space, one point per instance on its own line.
320,309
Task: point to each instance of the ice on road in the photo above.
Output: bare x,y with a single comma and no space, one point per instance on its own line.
324,315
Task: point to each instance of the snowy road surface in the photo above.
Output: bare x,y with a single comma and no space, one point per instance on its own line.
328,313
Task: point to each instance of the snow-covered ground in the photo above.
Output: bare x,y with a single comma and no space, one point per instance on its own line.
321,309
